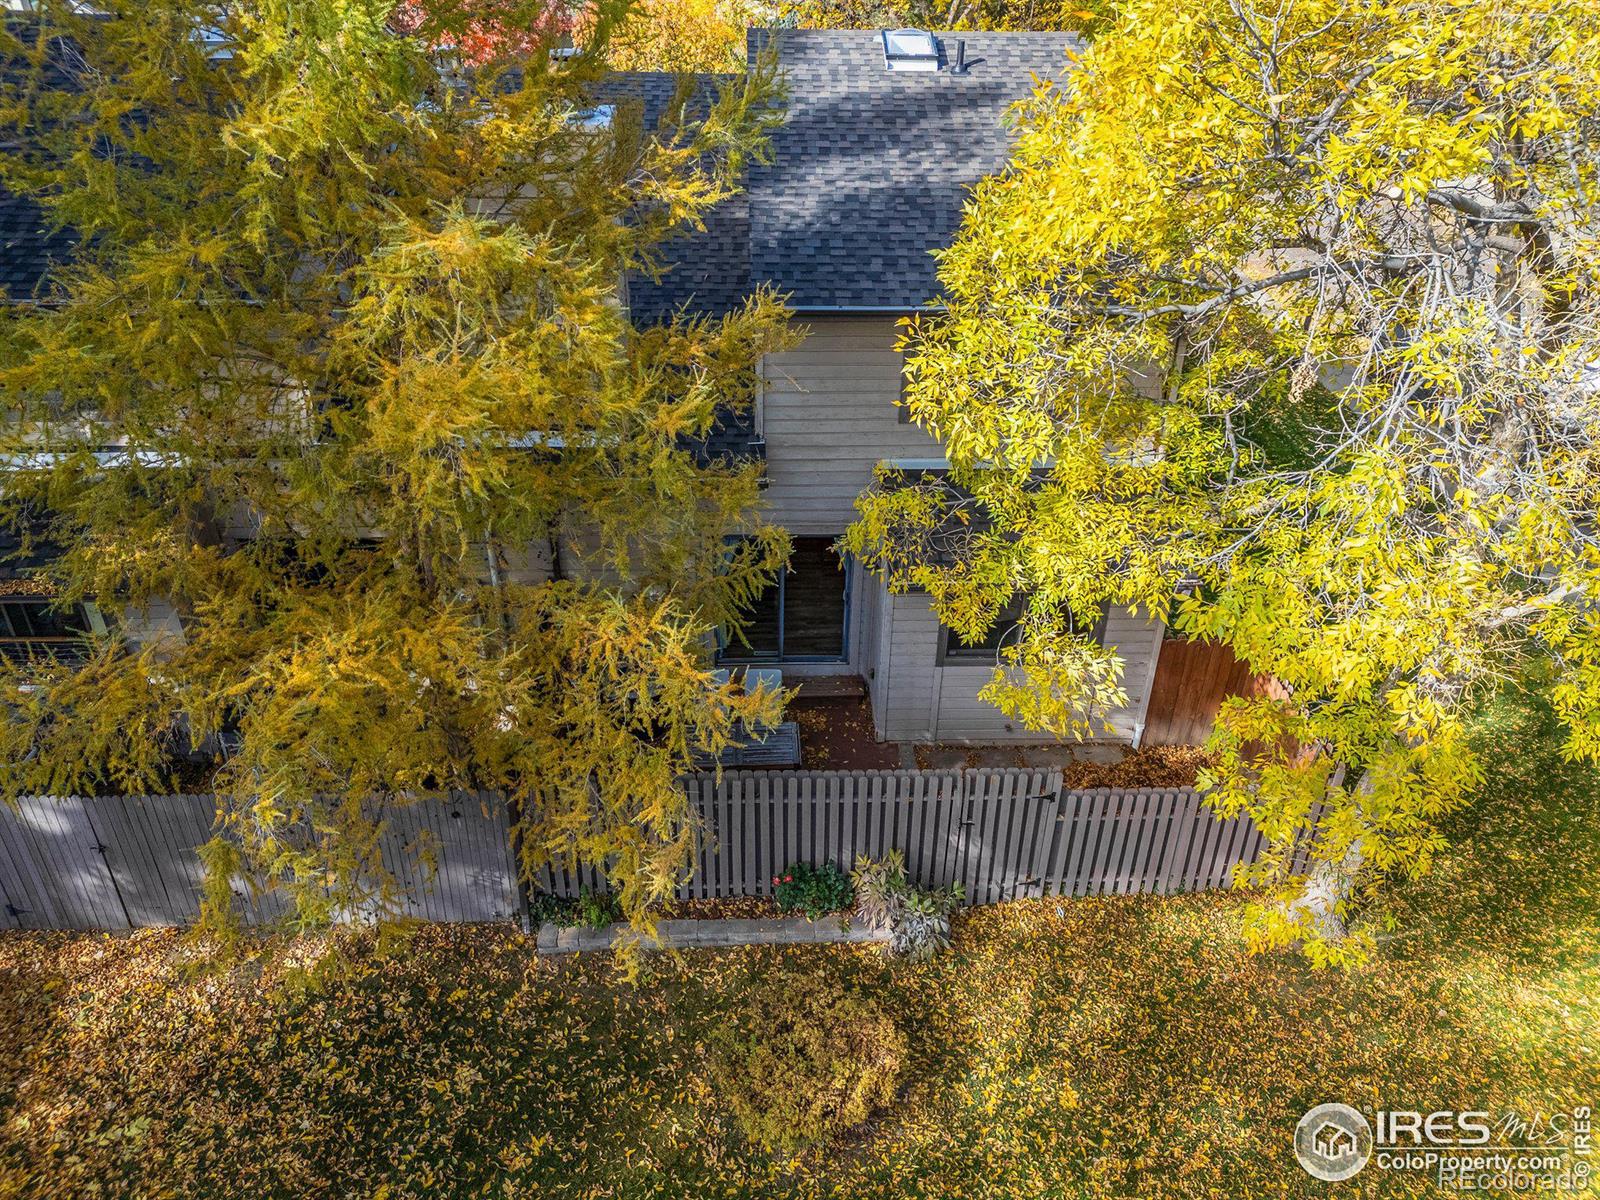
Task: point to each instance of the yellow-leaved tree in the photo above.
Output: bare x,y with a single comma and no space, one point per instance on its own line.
683,35
1087,17
1289,310
341,375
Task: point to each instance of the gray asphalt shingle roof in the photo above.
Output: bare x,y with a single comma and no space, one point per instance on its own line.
871,166
869,171
707,270
868,174
28,247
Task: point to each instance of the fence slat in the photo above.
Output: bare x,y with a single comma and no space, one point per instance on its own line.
1003,790
1177,852
1137,805
1045,803
1161,842
1200,851
751,801
31,900
1059,882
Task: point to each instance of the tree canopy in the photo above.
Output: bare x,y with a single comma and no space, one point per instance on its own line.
651,35
1282,325
684,35
342,374
1082,16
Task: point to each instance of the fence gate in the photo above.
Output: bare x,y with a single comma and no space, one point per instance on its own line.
1002,833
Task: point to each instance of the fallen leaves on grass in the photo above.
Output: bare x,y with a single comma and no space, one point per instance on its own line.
1107,1047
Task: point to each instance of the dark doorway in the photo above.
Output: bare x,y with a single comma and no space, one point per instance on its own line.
802,615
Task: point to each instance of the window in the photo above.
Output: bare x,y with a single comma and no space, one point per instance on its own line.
591,119
802,615
953,648
31,625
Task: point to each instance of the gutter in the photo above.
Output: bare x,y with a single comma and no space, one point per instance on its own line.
864,309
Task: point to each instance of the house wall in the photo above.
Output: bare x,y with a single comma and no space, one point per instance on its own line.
829,413
915,699
150,626
865,635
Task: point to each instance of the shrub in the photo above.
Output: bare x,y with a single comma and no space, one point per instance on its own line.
806,1060
813,890
592,910
597,910
543,907
918,919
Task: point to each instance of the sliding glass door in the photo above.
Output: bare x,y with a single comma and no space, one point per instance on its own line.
802,616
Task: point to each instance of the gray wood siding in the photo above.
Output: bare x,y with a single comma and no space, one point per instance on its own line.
156,622
908,675
865,618
919,700
830,416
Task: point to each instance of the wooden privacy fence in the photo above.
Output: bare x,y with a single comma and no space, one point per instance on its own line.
1001,833
127,862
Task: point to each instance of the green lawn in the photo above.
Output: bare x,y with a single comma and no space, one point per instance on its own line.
1094,1048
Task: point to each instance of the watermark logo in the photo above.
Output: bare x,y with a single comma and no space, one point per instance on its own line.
1333,1142
1464,1150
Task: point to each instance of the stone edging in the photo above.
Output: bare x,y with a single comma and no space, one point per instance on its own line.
764,931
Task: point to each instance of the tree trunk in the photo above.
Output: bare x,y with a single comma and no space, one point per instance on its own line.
1330,885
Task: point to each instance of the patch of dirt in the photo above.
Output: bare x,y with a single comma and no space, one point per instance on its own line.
936,757
1152,767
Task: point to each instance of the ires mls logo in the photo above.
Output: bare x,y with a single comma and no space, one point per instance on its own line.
1333,1142
1402,1127
1466,1150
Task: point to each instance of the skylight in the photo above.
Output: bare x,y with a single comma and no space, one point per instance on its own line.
910,50
217,44
598,117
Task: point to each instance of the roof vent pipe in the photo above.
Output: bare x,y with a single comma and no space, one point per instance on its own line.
961,57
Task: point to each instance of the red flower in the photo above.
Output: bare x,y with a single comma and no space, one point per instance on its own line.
788,878
776,881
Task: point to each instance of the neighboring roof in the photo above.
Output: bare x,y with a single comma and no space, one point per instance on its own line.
17,569
706,271
659,90
28,246
869,172
871,166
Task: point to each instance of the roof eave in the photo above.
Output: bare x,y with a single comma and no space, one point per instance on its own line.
866,309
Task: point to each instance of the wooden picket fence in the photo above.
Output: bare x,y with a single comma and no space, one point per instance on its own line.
1002,833
129,862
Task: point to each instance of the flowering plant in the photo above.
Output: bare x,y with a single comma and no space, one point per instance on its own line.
813,890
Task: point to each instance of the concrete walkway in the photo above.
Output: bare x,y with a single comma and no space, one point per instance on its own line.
766,931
